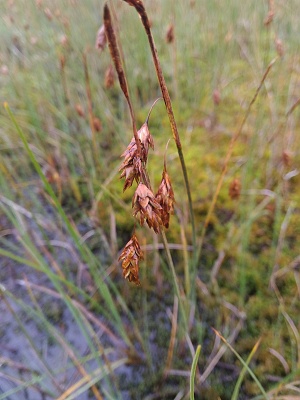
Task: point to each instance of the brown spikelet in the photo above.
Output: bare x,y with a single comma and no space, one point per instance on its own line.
101,38
132,166
286,158
146,140
170,34
235,189
97,124
216,97
279,47
271,13
165,197
109,77
64,41
62,61
130,257
145,204
79,110
48,13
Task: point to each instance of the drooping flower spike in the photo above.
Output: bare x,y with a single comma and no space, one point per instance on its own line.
130,257
146,208
165,195
134,164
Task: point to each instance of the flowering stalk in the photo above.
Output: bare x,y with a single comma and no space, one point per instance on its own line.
153,209
139,6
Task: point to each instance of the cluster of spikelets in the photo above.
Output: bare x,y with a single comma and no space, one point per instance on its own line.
154,209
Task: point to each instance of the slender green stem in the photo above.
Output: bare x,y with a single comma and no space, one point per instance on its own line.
193,373
245,365
235,394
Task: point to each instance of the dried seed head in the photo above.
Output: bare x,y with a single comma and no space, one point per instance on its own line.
235,189
170,34
64,41
145,204
269,18
131,166
79,110
109,78
97,124
62,60
271,13
101,38
165,197
48,13
130,257
216,97
286,158
146,140
279,47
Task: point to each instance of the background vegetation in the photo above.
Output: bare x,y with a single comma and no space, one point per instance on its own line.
71,326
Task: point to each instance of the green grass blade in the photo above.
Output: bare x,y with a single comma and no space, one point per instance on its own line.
237,387
251,373
193,372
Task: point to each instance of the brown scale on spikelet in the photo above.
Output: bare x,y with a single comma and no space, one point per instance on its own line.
286,158
146,141
97,124
235,189
48,13
130,257
145,204
132,165
279,47
101,38
165,197
109,78
133,162
216,97
79,109
170,34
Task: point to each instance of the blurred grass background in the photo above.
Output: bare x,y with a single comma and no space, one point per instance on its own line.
72,327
